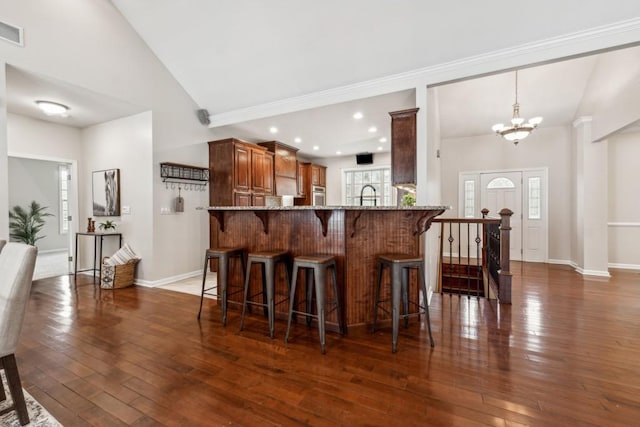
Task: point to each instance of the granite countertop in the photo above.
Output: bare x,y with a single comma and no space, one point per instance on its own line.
317,208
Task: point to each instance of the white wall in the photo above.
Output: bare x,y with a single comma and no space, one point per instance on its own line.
611,96
189,230
33,138
624,202
546,147
37,139
38,180
124,144
89,44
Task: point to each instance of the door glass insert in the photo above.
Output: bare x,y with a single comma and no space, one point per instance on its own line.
534,198
501,182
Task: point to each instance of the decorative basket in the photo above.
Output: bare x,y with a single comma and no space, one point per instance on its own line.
118,276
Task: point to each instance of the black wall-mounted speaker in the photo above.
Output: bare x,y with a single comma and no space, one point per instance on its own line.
364,158
203,116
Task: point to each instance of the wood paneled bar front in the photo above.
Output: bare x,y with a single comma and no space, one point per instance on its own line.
354,235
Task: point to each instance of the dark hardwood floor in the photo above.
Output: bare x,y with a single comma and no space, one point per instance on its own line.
567,352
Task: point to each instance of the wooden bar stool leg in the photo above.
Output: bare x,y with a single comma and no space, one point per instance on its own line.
396,288
426,303
15,387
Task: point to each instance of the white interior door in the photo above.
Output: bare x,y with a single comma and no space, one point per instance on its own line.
504,190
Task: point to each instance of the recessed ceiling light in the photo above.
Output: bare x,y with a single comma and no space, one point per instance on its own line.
338,152
379,148
53,108
358,115
315,147
273,129
373,129
383,139
297,140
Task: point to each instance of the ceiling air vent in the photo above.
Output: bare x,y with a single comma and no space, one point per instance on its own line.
11,33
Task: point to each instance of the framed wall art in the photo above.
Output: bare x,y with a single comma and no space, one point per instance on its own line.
106,192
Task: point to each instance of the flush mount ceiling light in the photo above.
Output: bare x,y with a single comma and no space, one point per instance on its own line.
519,129
53,108
273,129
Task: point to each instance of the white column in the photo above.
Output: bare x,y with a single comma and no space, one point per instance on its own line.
422,165
591,202
428,173
4,160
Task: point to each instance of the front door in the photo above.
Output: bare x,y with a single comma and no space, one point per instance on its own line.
504,190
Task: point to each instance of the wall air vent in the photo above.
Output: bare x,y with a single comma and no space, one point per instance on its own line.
11,33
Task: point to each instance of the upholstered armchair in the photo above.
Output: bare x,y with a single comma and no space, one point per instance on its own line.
17,261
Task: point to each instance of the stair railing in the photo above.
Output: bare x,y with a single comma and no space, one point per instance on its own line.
474,256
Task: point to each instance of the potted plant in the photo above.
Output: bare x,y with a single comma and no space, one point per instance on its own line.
408,199
107,225
26,224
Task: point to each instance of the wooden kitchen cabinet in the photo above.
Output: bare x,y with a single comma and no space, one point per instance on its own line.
403,147
302,179
318,175
240,173
309,175
285,171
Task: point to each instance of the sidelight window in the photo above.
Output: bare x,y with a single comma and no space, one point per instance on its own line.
63,180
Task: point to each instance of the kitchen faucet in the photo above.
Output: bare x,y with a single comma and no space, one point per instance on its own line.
375,200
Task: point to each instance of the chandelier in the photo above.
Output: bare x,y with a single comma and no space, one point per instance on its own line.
519,129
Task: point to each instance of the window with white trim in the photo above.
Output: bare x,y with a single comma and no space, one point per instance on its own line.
355,180
63,180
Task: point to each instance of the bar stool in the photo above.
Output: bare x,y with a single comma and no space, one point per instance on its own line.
316,278
268,261
223,255
400,264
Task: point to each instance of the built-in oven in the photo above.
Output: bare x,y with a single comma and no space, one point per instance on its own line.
318,197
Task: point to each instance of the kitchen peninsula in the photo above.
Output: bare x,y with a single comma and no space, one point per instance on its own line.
354,234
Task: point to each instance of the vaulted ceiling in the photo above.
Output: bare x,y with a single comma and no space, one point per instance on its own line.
235,55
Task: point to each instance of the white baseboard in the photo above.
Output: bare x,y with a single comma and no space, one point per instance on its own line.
624,266
167,280
561,262
597,273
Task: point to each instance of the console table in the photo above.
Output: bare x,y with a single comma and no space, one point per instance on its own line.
98,239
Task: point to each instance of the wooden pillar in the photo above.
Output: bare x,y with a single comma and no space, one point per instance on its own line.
504,287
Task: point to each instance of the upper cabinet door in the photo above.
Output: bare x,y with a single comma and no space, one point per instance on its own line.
242,160
257,159
315,175
268,173
403,146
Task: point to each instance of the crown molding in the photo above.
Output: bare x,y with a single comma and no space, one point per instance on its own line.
582,120
575,44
